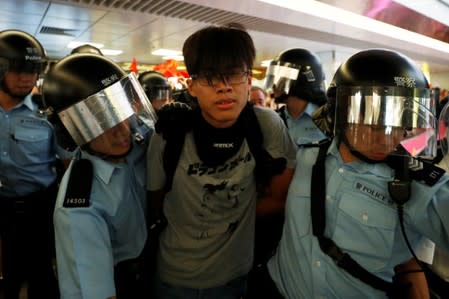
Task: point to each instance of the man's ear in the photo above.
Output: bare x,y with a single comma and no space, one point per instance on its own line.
250,81
190,88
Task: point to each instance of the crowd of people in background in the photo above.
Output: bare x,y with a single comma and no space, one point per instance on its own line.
117,185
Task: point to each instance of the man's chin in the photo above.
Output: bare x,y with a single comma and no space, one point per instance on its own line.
377,156
20,95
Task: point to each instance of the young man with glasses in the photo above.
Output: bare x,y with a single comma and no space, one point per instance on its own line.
206,248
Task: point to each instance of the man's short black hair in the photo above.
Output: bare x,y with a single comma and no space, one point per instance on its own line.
216,49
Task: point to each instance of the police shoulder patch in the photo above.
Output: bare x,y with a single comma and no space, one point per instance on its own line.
79,185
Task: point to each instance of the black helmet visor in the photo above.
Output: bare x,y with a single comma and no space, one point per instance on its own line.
24,66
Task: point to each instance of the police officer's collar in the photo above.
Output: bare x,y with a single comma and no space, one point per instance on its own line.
310,108
102,169
27,102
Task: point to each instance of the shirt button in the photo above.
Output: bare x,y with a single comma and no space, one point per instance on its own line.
340,170
5,153
328,197
318,264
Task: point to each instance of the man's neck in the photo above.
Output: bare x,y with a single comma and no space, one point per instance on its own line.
346,154
7,102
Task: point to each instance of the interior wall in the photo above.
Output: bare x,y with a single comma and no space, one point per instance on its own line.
440,80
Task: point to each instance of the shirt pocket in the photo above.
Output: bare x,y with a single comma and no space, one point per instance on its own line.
366,230
30,144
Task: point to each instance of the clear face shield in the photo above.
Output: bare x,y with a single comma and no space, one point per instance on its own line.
159,96
281,76
443,136
112,118
382,121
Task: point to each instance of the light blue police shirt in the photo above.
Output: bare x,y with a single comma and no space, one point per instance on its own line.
361,219
27,150
302,129
91,240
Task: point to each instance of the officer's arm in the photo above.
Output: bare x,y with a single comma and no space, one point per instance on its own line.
274,197
410,272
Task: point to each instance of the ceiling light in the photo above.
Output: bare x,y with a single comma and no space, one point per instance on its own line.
75,44
166,52
341,16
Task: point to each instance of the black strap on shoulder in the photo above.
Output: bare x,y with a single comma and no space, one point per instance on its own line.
318,211
318,190
170,158
174,121
266,165
79,185
281,112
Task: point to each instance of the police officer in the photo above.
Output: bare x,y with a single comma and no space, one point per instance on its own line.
358,192
28,154
297,80
100,211
156,87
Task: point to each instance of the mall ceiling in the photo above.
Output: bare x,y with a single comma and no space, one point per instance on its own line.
138,27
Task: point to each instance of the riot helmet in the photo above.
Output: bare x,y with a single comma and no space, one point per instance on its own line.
86,48
156,87
296,72
92,104
20,52
383,106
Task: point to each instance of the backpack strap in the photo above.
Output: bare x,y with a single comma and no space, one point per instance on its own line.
281,112
266,165
318,211
170,159
174,121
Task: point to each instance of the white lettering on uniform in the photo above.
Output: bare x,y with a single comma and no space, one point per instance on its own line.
76,200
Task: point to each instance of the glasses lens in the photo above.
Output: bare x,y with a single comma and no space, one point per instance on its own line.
209,79
236,78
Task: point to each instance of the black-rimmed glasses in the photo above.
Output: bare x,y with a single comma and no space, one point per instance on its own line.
213,79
